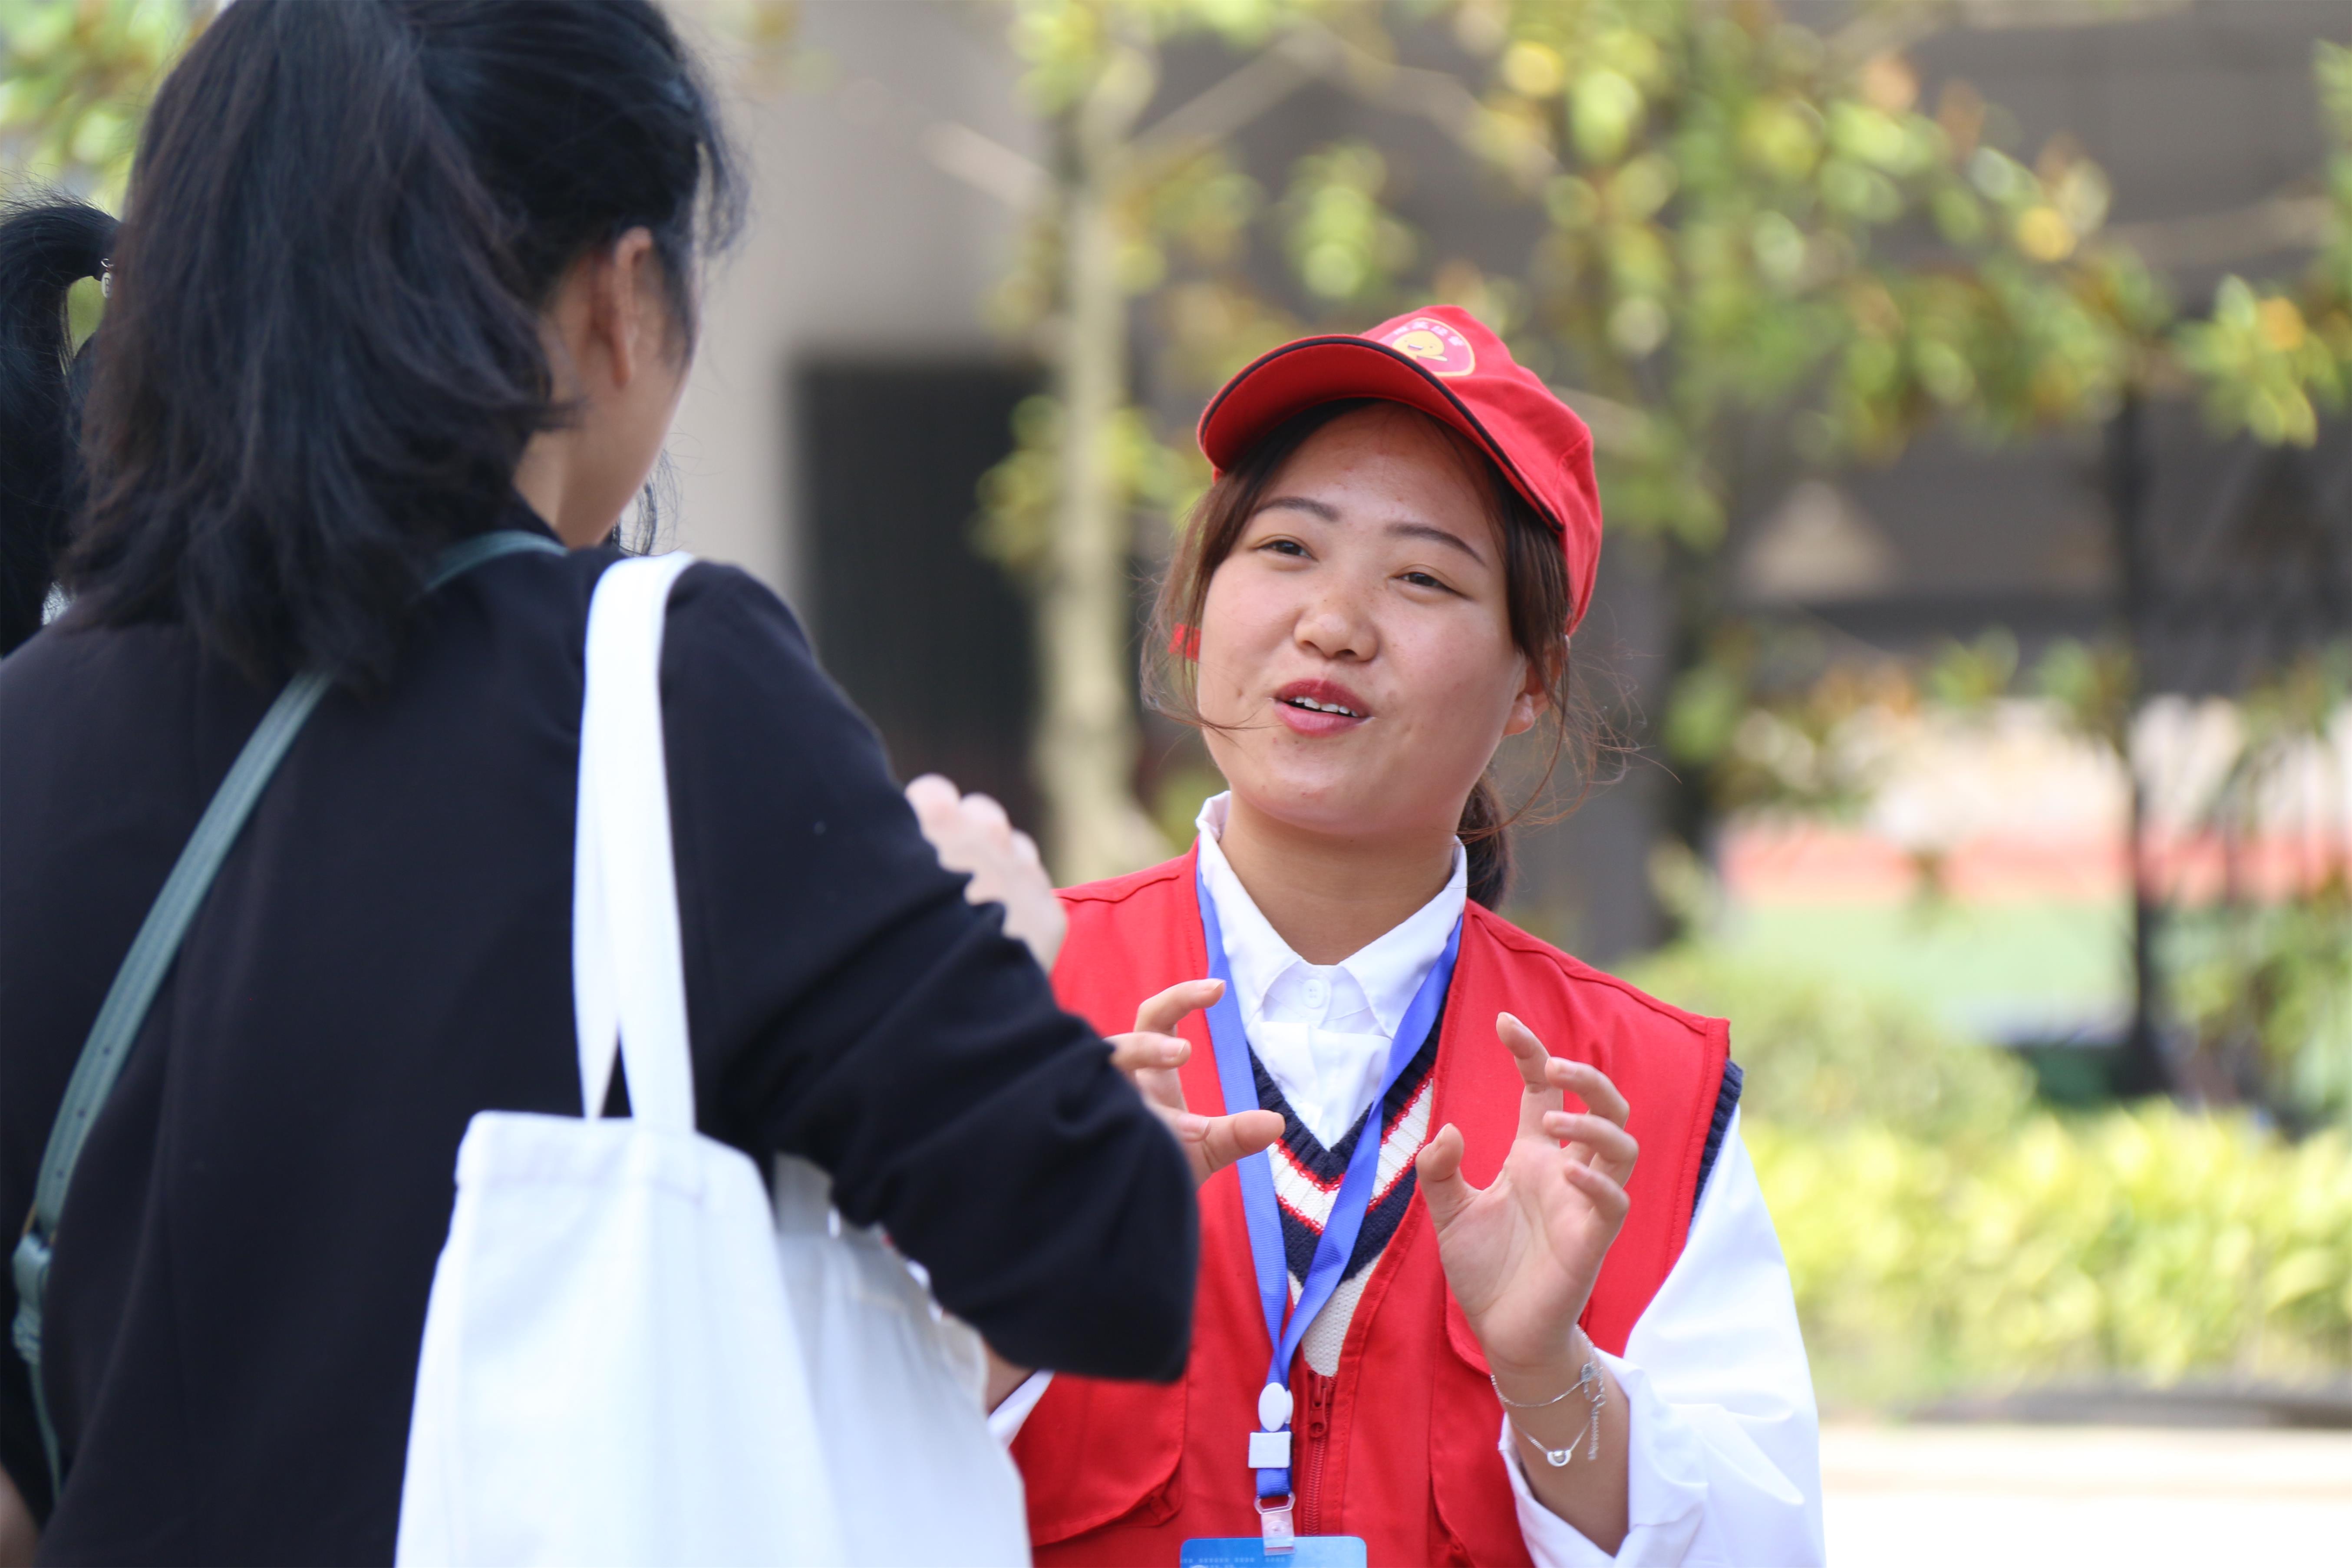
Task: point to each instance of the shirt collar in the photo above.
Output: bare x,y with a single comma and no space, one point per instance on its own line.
516,515
1390,968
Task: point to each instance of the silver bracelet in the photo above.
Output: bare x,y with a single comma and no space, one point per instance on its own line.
1559,1457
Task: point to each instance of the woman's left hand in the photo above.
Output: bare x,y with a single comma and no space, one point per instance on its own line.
1521,1255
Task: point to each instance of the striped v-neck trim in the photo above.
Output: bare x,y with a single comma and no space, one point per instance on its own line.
1307,1174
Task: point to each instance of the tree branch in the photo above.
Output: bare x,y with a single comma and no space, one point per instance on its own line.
984,164
1437,97
2282,221
1886,29
1616,426
1271,76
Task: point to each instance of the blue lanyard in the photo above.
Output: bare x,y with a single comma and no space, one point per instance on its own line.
1338,1241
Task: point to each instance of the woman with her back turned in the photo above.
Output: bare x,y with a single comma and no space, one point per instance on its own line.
396,274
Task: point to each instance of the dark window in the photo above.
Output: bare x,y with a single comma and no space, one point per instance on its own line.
928,637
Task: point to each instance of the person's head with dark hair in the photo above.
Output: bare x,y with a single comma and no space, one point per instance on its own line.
1378,589
383,263
46,247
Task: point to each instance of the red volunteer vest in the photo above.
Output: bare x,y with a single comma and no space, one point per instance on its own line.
1398,1446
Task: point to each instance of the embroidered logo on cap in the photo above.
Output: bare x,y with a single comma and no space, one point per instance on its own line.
1441,349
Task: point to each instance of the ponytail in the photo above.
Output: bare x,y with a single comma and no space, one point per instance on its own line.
46,247
1486,836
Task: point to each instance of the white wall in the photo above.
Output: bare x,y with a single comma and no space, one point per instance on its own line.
857,244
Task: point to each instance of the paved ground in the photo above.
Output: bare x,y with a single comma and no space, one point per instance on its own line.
2026,1497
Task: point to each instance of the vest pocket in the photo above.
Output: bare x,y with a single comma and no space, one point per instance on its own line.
1478,1522
1094,1453
1463,1338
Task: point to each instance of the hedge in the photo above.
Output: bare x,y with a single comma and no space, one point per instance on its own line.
1943,1232
2148,1243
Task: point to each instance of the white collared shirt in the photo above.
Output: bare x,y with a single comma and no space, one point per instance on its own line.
1323,1030
1725,1461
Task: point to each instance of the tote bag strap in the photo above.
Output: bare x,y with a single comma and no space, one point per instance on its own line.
628,968
149,959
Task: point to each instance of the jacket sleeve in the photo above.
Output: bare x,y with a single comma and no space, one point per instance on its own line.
1725,1466
847,1005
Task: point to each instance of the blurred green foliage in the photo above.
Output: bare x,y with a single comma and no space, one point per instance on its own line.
1815,743
2264,357
2148,1243
2263,365
1942,1233
2266,989
1822,1053
2263,980
1342,243
1016,495
1969,677
1723,184
1770,720
2095,687
75,78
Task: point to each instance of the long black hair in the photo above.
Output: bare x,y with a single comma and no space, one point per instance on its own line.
321,356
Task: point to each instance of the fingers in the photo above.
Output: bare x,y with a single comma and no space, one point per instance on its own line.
1225,1139
1606,1196
1528,1052
1151,1061
934,799
1024,851
1142,1052
932,788
972,835
1596,1136
1596,1140
1213,1142
1437,1172
1159,1015
1146,1055
1591,1085
963,827
1543,1072
1525,1051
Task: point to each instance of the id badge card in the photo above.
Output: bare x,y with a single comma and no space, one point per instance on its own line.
1235,1550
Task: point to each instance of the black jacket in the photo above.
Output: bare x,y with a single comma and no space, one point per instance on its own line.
242,1264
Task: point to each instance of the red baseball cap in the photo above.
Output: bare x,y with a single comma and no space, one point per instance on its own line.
1442,361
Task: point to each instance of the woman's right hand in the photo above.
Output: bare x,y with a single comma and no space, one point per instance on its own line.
972,833
1152,1055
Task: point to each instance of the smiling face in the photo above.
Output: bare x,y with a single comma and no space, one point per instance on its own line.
1356,663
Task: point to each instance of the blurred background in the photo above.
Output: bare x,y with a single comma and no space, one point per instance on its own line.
1972,658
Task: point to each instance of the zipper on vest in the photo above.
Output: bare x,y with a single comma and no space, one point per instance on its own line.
1320,1393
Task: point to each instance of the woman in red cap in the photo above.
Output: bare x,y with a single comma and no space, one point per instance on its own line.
1580,1345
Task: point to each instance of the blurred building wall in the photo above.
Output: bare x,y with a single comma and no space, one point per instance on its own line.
858,247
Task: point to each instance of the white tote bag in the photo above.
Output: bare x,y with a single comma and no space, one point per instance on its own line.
628,1356
899,1385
